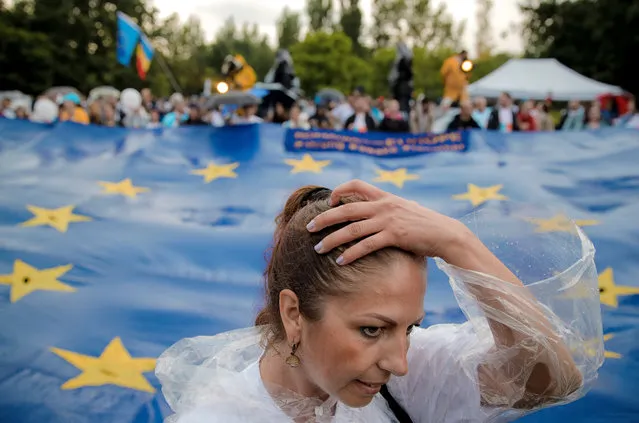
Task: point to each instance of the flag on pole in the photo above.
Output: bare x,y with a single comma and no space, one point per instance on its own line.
144,55
128,35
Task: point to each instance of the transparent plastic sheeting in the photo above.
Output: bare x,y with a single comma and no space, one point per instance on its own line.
457,372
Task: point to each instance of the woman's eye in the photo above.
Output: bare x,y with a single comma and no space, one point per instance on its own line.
410,329
371,331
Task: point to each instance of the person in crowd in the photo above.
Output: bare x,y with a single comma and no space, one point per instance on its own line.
345,110
148,102
138,118
481,113
543,119
401,77
296,120
630,115
503,117
377,108
464,119
154,119
593,118
572,119
361,120
109,115
422,116
277,114
322,118
5,109
344,289
195,116
454,78
95,112
245,115
394,120
525,118
178,116
21,113
72,110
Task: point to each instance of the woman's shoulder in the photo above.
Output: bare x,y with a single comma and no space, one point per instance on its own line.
210,377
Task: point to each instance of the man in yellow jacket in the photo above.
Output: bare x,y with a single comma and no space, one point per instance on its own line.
455,79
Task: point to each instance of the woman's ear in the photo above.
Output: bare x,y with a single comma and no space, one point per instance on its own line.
291,316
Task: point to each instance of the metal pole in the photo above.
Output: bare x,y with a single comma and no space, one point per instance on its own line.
167,71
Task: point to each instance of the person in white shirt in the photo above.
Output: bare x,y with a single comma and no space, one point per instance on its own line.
338,339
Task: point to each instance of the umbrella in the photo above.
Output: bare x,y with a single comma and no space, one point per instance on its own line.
238,98
328,95
104,91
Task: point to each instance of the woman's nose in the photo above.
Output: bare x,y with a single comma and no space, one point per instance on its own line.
395,359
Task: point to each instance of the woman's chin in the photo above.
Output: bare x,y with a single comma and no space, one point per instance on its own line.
356,397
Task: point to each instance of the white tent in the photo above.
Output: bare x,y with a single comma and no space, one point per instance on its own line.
536,79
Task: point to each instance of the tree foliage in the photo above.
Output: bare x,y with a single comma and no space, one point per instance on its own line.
417,22
350,22
483,36
593,37
320,15
288,28
45,43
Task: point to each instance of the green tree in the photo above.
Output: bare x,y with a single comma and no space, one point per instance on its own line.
288,28
183,49
320,14
327,60
417,22
247,41
351,22
593,37
483,35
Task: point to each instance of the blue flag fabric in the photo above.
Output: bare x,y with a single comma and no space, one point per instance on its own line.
116,243
128,36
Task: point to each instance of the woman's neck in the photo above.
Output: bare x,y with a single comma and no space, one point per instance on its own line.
276,372
289,387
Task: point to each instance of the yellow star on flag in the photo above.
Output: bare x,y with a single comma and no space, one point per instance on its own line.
307,164
56,218
591,347
25,279
213,171
115,366
124,187
609,291
559,223
396,177
479,195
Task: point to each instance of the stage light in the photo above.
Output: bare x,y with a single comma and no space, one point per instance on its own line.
222,87
467,66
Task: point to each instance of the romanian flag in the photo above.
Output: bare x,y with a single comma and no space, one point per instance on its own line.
144,55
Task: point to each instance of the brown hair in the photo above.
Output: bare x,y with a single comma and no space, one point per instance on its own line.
295,265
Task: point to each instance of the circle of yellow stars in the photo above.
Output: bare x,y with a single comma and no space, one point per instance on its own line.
115,365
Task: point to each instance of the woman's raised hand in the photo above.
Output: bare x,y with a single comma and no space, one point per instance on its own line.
382,220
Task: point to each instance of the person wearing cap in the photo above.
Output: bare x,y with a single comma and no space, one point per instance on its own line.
72,110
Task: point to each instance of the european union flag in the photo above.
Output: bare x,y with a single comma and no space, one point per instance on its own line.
116,243
128,35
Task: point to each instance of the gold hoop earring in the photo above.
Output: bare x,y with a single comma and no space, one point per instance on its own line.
293,360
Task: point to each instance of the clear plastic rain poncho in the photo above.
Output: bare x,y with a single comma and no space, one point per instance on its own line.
457,372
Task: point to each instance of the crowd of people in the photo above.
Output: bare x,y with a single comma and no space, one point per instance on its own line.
356,112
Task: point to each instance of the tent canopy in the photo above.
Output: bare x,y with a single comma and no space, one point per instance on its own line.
536,79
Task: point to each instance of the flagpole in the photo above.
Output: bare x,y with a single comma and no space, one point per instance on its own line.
169,74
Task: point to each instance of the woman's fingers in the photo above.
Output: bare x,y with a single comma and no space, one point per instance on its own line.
365,246
356,187
349,233
344,213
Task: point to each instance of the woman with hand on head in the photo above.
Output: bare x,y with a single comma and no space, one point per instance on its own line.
339,339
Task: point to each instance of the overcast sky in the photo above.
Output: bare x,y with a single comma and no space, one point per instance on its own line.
213,13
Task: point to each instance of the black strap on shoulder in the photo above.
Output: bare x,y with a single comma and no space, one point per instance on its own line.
399,412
